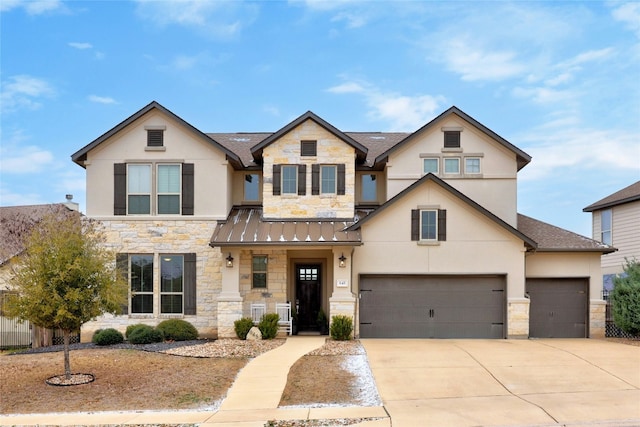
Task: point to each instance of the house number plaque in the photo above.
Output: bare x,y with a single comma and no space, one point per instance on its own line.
343,283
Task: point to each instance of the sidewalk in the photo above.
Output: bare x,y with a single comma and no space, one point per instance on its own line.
251,401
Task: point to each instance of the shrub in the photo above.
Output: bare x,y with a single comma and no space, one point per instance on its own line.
177,330
242,327
145,334
132,328
269,326
95,335
108,336
341,327
625,299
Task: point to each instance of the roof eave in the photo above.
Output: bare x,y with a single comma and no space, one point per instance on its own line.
603,251
279,243
595,207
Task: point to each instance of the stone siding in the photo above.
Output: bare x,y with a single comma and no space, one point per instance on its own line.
276,290
167,237
518,318
597,318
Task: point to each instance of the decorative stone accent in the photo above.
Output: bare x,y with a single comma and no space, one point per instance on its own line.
518,318
254,334
228,313
597,318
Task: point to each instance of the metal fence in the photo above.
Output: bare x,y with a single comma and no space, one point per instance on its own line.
611,330
14,334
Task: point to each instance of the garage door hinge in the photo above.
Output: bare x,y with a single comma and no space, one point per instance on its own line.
366,323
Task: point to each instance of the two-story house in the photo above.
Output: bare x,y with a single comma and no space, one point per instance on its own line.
412,234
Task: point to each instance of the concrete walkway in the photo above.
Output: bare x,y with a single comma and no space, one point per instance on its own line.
251,401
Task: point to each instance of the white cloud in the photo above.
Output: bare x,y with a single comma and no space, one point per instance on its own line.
24,91
80,46
403,113
102,99
214,18
32,7
629,13
25,160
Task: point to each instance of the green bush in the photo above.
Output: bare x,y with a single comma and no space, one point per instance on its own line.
145,334
341,327
242,327
177,330
108,336
625,299
95,335
269,326
132,328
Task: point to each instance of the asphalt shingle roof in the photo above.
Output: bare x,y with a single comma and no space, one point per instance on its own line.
626,195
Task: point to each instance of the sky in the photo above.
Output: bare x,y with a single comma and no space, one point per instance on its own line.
559,80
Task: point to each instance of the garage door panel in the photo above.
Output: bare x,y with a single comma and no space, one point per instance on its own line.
432,306
559,308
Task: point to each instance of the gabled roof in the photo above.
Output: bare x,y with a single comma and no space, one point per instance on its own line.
17,222
431,177
626,195
361,150
522,158
555,239
81,155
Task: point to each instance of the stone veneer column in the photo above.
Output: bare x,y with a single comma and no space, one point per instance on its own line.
342,300
518,318
229,300
597,318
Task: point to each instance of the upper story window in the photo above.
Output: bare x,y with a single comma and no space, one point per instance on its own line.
259,271
148,189
451,139
155,137
369,191
431,165
472,165
429,225
289,180
308,148
606,226
452,165
328,179
251,187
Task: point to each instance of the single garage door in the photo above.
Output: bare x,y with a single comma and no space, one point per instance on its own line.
559,308
406,306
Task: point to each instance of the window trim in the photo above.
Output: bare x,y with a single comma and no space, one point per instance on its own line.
283,190
162,293
244,186
158,193
444,165
133,293
335,180
254,272
434,225
479,159
129,193
437,159
374,179
609,229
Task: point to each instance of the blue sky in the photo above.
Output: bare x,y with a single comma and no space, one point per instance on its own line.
560,80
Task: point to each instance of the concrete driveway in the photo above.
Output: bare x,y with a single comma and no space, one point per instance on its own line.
506,382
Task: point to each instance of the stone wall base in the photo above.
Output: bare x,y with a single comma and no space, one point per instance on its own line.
597,318
518,318
229,310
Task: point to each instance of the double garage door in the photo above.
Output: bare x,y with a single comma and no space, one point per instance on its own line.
407,306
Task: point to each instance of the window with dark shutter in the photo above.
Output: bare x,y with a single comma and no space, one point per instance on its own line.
315,180
187,189
120,189
302,180
416,224
190,283
452,139
122,267
155,138
308,148
276,180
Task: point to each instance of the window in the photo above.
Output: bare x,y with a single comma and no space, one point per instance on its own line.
259,271
289,180
452,165
168,189
429,225
369,188
430,165
251,187
171,283
308,273
155,137
139,189
328,179
472,165
176,293
141,283
308,148
605,226
135,194
451,139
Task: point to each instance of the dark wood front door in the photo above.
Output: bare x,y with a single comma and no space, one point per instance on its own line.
308,295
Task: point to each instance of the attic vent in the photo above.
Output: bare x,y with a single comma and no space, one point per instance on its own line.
452,139
309,148
155,137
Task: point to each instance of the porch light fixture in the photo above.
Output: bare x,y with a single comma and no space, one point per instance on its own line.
229,261
342,261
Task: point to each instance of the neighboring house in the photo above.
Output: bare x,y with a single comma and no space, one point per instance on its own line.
16,224
616,222
411,234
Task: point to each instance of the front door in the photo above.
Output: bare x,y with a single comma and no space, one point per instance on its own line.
308,296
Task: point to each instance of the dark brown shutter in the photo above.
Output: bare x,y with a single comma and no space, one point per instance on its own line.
276,180
442,225
122,267
452,139
190,283
119,188
187,189
302,180
315,180
415,224
341,180
155,138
